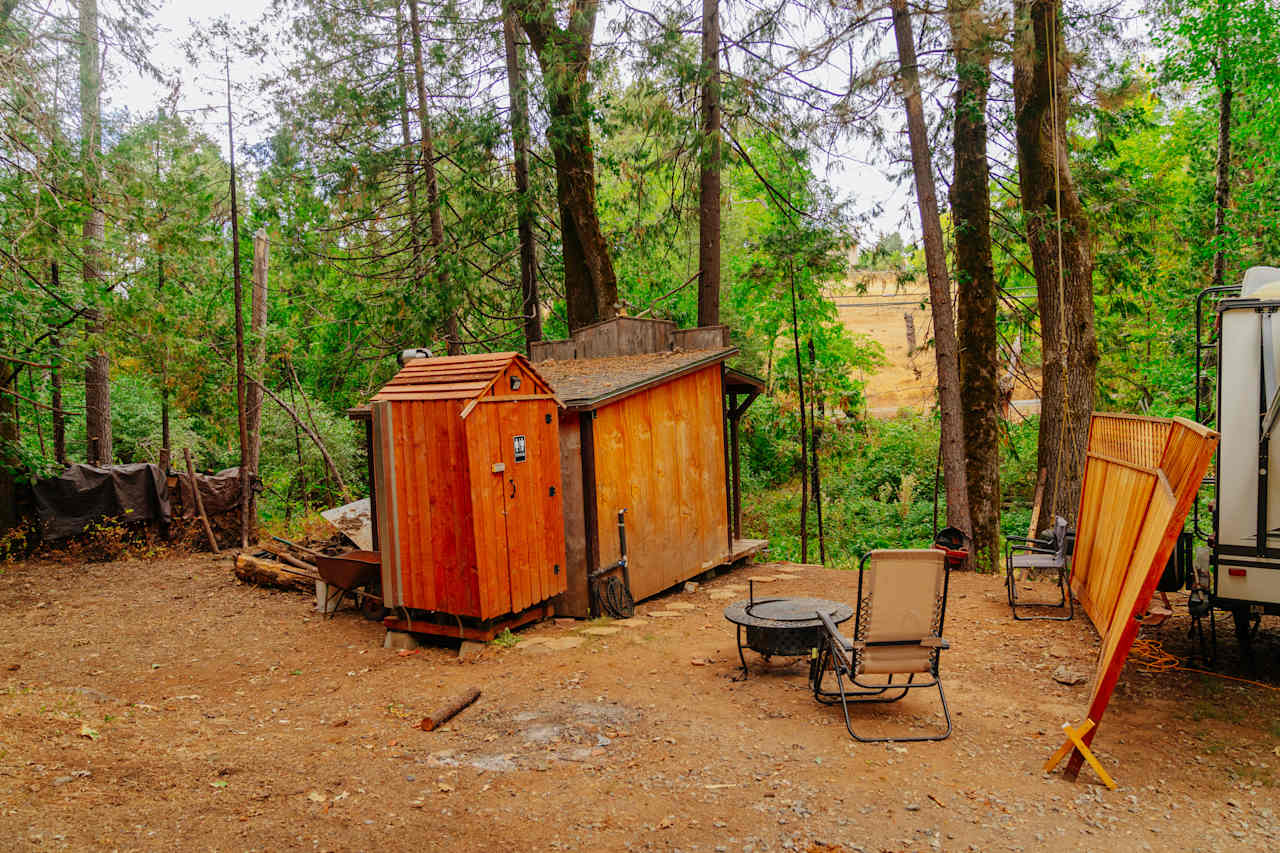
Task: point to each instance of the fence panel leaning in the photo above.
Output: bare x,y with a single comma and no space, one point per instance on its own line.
1141,477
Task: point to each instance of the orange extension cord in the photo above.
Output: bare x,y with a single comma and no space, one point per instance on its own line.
1151,657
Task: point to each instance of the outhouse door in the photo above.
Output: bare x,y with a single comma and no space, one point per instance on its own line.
514,450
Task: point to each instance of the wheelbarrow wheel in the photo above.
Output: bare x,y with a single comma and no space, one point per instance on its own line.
371,608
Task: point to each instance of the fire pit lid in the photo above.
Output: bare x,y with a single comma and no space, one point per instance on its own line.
785,612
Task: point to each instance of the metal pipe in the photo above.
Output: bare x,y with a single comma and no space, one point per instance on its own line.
622,547
621,562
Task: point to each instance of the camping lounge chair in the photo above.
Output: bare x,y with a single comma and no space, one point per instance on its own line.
1044,552
897,634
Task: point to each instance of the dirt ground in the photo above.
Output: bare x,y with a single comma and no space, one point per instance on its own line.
160,705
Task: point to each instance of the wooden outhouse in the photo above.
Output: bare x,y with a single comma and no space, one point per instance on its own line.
465,459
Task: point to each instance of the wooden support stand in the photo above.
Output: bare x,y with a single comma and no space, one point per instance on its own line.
1075,741
440,625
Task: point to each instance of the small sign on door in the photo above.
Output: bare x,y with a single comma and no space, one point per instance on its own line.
519,447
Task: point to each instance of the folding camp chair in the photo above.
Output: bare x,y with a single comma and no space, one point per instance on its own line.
897,633
1047,551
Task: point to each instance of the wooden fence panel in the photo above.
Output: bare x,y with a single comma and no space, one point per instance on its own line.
1130,438
1141,477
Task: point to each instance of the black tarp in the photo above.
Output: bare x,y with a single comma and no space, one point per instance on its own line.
219,492
83,494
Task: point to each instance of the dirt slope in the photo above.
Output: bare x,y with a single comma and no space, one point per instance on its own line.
876,305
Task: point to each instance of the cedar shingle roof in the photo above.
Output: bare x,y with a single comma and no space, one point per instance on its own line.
453,377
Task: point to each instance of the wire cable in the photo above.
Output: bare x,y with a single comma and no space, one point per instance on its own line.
1151,657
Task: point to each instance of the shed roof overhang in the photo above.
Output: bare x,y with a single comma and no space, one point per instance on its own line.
738,382
587,384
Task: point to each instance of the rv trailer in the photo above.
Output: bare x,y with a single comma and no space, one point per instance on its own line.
1238,570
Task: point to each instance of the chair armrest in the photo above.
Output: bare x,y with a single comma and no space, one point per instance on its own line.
935,643
1033,549
833,632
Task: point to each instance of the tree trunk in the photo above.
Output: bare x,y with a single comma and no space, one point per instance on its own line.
9,461
97,371
410,176
428,166
518,88
944,332
56,416
1061,254
709,183
253,393
165,450
1222,191
246,481
804,440
815,437
971,38
564,54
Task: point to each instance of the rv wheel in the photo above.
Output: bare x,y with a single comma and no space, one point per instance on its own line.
1243,616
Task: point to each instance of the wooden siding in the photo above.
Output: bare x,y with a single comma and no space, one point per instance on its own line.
431,558
1131,514
518,518
660,455
623,336
576,600
455,541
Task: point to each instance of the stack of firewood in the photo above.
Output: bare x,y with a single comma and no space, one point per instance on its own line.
279,564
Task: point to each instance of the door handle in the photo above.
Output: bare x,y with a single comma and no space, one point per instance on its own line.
513,487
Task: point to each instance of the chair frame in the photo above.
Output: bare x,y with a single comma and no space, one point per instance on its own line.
1015,545
843,657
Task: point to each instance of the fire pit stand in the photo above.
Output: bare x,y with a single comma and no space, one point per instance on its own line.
786,627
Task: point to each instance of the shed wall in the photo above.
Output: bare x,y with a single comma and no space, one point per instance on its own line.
428,546
576,599
660,454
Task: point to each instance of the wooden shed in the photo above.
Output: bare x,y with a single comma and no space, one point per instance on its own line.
644,429
466,475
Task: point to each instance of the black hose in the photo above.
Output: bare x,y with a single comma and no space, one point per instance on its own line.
612,598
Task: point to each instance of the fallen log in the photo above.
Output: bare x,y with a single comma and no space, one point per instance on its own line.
285,556
260,572
448,712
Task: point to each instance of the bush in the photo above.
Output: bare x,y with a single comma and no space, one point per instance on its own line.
289,482
878,480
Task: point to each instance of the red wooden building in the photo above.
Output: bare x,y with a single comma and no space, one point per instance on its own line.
649,426
466,476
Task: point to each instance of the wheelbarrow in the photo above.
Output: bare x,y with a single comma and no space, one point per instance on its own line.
354,570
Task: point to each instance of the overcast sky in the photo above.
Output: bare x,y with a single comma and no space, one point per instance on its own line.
202,87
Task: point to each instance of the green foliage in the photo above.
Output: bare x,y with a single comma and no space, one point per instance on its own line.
292,485
135,423
878,485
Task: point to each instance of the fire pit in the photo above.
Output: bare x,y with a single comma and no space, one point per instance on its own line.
785,627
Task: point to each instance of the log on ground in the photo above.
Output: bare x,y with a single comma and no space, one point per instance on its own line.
448,712
268,573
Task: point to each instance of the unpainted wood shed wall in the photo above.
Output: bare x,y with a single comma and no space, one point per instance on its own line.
660,454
